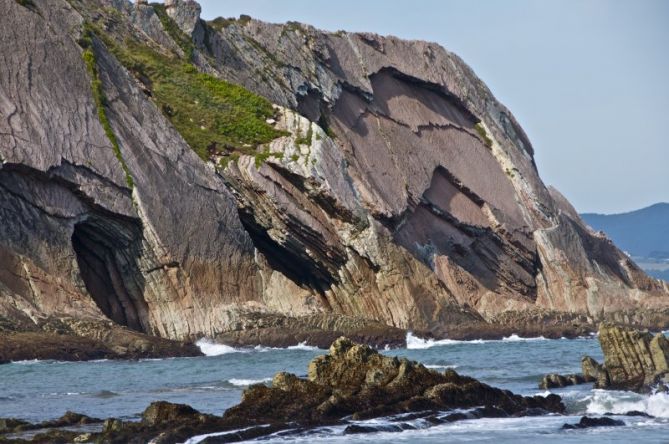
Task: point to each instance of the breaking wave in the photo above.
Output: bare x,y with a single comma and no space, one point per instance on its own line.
515,338
247,382
211,348
601,401
415,342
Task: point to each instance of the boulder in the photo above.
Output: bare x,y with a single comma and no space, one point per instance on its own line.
588,422
592,370
554,380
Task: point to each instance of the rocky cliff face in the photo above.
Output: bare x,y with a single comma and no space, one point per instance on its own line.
353,180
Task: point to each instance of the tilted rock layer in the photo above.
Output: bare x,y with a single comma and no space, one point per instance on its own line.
397,191
633,360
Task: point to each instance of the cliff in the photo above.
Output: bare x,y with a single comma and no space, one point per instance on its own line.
185,178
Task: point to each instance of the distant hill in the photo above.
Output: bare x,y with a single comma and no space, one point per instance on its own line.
641,233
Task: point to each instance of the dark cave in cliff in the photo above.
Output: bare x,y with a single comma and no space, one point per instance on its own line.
107,252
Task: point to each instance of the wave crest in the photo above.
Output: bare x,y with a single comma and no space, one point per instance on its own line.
602,401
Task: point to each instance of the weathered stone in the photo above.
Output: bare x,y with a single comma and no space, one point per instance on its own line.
659,351
588,422
592,370
556,381
630,361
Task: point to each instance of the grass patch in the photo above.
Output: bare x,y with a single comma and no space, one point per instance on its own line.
261,158
173,30
484,135
306,140
212,115
225,161
100,100
290,27
220,23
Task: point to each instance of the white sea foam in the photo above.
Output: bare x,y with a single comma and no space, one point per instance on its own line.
303,346
602,401
515,338
440,367
300,346
247,382
200,438
415,342
211,348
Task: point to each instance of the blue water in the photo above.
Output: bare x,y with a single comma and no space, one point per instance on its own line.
45,390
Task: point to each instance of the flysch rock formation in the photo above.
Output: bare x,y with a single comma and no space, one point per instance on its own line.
396,191
633,360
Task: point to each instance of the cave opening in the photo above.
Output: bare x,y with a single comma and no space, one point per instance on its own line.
107,251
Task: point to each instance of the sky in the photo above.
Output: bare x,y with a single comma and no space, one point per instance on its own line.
588,80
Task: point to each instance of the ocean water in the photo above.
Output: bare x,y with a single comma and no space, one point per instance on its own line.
40,390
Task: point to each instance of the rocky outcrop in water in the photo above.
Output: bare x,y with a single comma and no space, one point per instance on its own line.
352,382
555,380
633,360
359,176
587,422
356,380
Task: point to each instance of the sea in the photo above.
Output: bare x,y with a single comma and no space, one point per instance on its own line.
42,390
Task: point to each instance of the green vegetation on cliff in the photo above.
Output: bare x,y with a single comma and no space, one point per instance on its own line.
213,116
181,39
88,55
480,129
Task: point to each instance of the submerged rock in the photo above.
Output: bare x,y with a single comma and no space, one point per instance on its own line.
555,380
588,422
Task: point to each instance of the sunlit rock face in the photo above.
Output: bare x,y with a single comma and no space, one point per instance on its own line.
398,191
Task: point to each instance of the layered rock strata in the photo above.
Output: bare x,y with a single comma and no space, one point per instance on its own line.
388,187
633,360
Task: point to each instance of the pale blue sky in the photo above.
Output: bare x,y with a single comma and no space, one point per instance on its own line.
587,79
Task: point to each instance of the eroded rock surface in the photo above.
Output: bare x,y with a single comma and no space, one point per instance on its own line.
397,189
633,360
